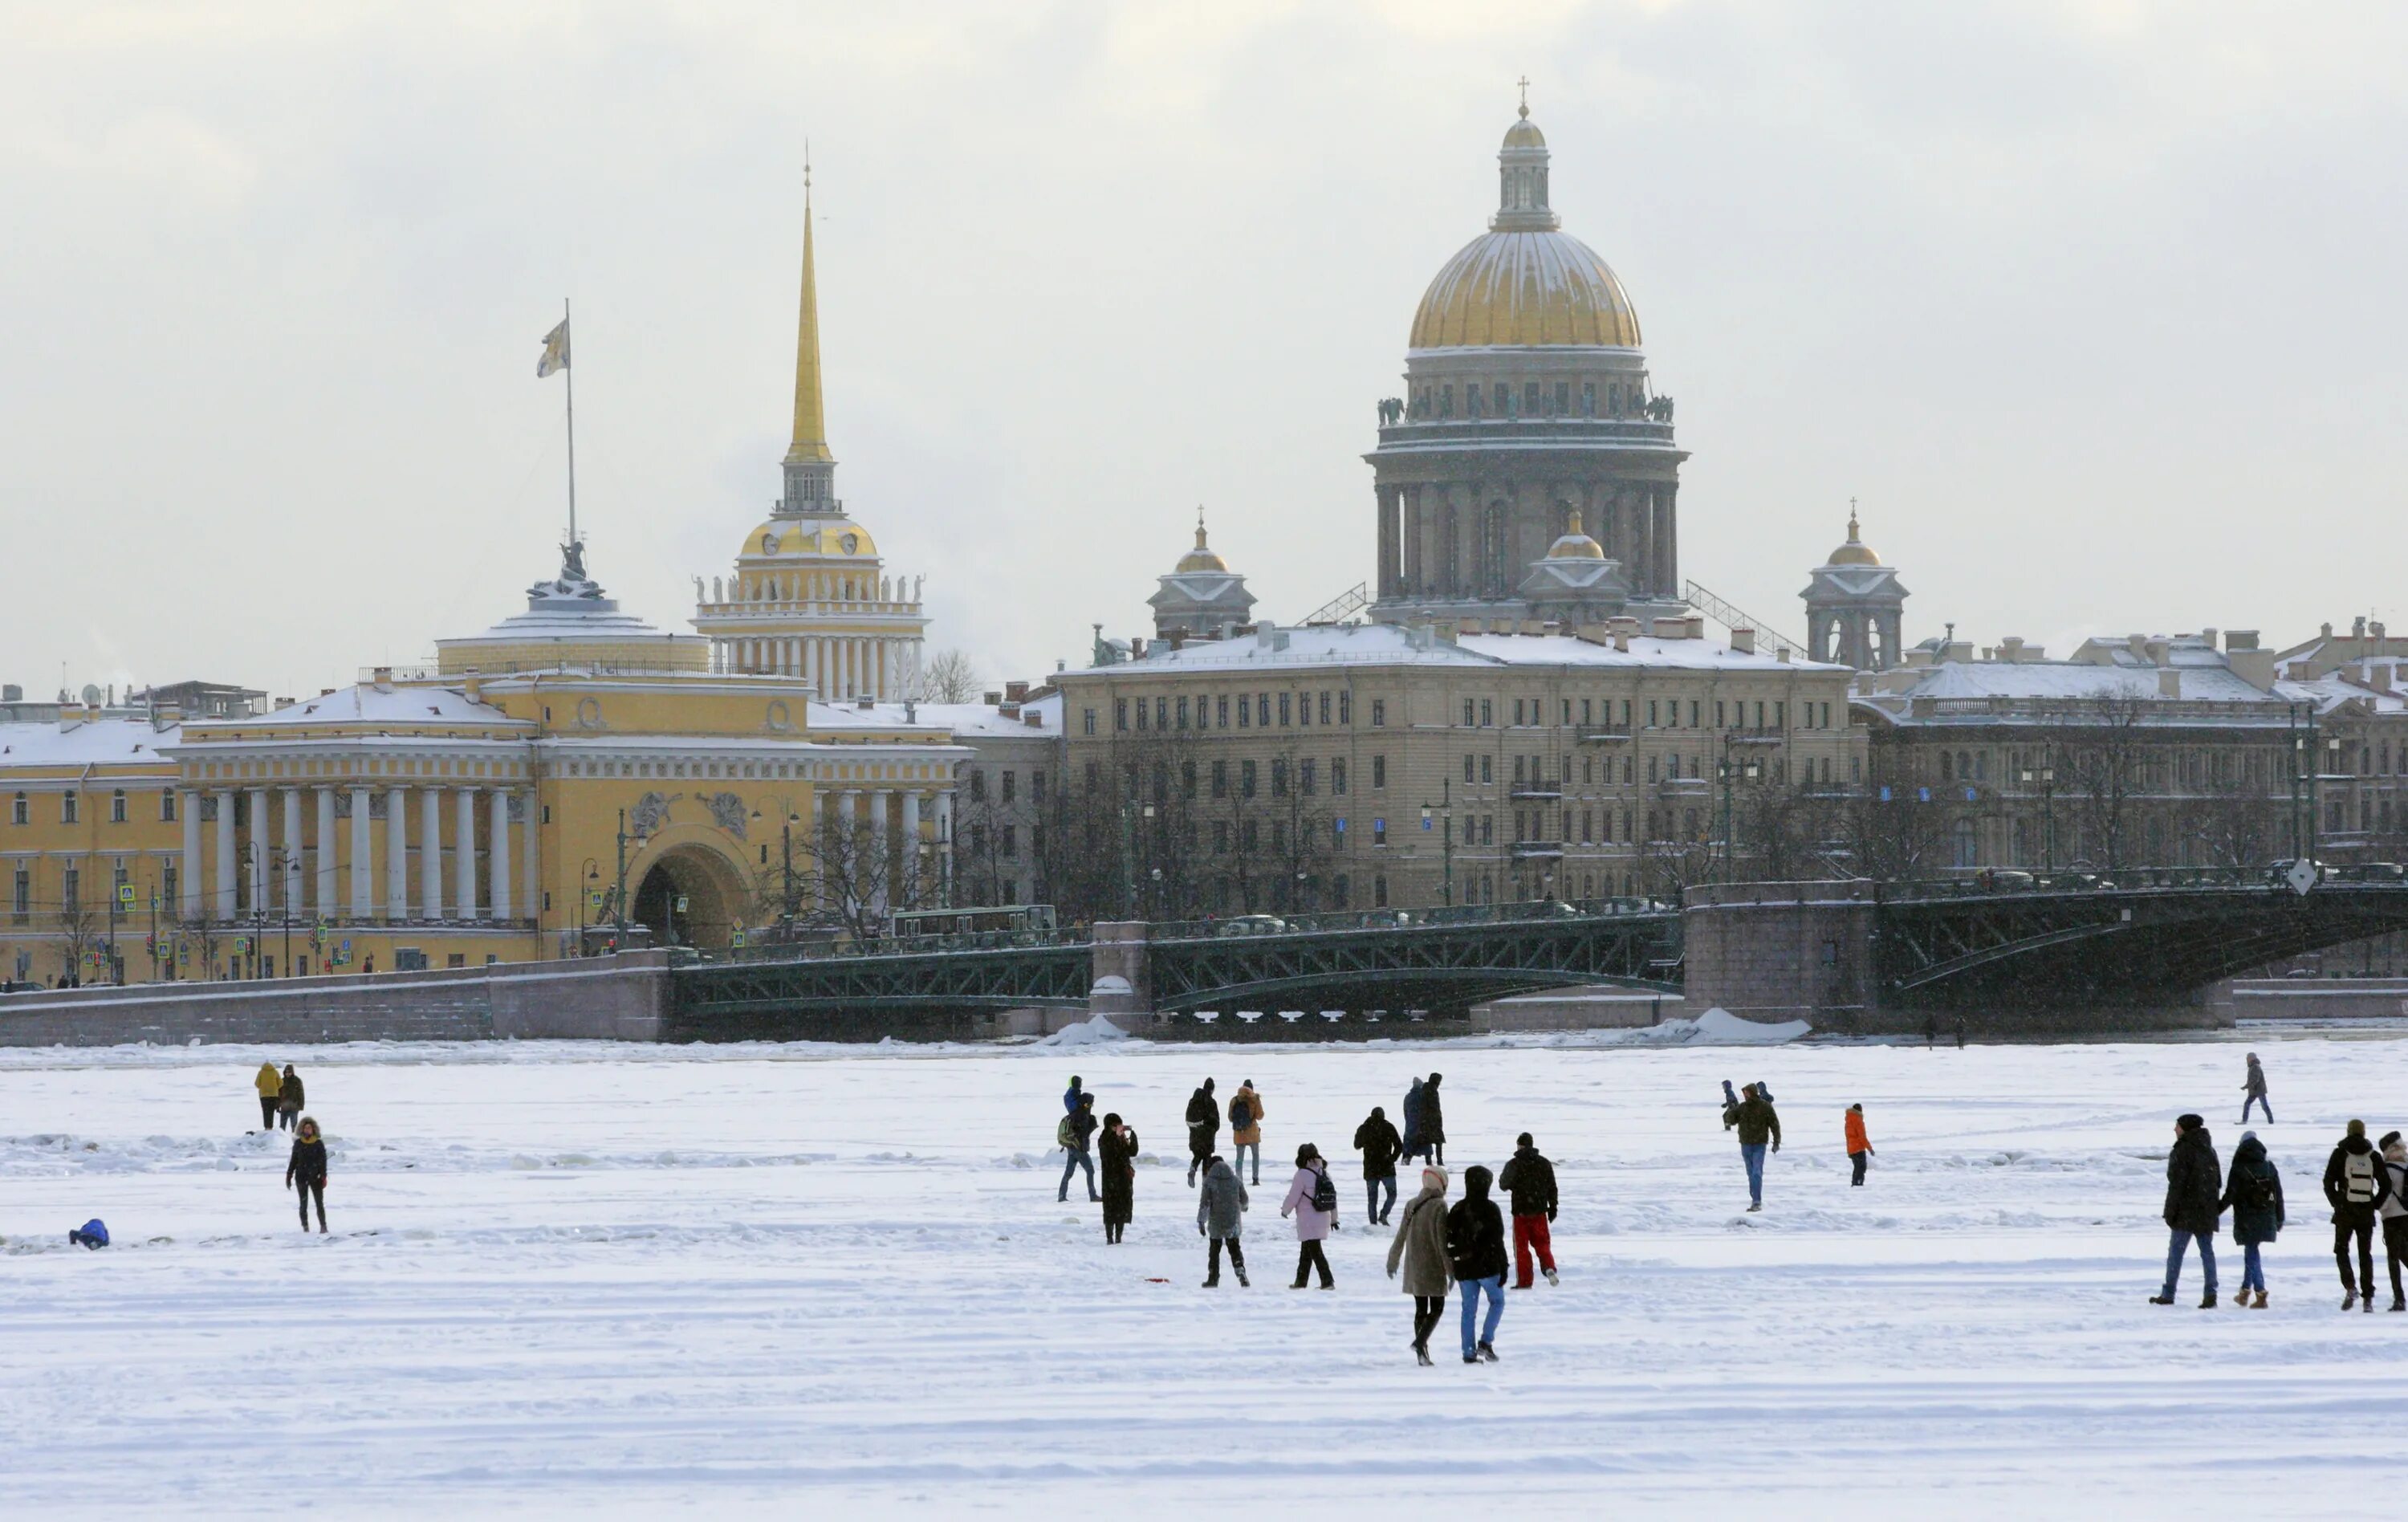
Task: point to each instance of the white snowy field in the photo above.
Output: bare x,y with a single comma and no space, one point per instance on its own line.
622,1280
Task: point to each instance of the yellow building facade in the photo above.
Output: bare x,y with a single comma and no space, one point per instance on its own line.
572,768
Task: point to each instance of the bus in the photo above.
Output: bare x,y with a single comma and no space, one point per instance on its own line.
994,925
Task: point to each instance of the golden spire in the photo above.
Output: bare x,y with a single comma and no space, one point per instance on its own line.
1199,526
810,414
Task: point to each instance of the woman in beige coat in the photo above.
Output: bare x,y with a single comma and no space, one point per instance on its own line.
1420,1250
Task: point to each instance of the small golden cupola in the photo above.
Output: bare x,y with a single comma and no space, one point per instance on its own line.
1575,545
1855,551
1203,557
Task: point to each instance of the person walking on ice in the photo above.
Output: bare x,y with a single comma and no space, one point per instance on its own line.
1220,1205
307,1172
1757,1124
1411,1114
1475,1250
270,1084
1246,1128
2194,1204
1312,1200
289,1097
1380,1145
2394,1213
1203,1129
1860,1151
2355,1183
2253,1091
1078,1129
1529,1181
2253,1192
1119,1149
1431,1124
1419,1248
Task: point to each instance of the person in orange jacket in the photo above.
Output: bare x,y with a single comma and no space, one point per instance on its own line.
1859,1148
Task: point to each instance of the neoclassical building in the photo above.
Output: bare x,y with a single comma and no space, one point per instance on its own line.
1855,607
1527,407
812,597
1201,596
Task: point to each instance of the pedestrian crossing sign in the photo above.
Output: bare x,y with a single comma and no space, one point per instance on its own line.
125,896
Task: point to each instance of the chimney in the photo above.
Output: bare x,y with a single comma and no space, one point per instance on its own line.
1008,709
2358,627
1136,649
1015,692
1622,639
994,699
2239,639
2169,682
167,716
1694,627
473,689
1033,718
2011,648
866,703
1782,654
2378,675
1743,641
382,678
2156,650
1671,628
2252,665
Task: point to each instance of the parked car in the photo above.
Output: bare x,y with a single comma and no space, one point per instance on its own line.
2280,872
2372,871
2005,880
1253,924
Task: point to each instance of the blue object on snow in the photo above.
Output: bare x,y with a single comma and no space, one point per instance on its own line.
91,1234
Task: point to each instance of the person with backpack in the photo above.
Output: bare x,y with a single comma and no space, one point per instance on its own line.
2253,1192
2194,1196
1312,1200
1433,1124
1380,1145
2356,1184
1411,1111
307,1169
270,1084
1203,1129
1246,1128
2394,1212
1475,1250
1072,1136
1529,1181
1860,1151
1757,1124
289,1099
1419,1248
2253,1091
1220,1205
1119,1148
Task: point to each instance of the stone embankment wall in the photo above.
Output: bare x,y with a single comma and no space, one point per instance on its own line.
620,998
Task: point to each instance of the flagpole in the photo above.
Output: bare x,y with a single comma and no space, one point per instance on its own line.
571,368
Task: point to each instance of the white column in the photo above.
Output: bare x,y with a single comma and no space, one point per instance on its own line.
324,902
430,852
259,846
909,882
882,861
463,853
945,844
362,881
396,854
292,850
533,876
499,852
188,876
223,884
885,671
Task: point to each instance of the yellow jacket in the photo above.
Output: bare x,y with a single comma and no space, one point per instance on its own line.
269,1083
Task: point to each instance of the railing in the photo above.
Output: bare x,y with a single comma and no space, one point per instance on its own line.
1525,850
1733,617
1538,792
1604,733
1399,919
1990,883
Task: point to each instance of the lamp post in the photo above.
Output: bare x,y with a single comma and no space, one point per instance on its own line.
2046,774
785,853
1446,833
619,897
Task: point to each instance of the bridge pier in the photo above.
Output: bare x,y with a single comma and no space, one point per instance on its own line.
1120,989
1780,951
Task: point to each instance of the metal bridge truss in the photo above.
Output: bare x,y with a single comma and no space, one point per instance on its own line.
1045,977
1442,966
2111,948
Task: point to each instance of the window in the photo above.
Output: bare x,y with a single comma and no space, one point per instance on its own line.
1487,829
1650,714
1446,401
1245,779
1162,713
1304,778
1262,711
1278,778
1220,837
1140,713
1650,769
1120,713
1966,853
67,808
167,881
1487,714
978,839
1345,709
1324,708
1469,775
1012,839
1379,832
1220,779
1588,398
1037,785
1283,716
1563,396
22,904
1161,782
1517,772
1379,712
1182,714
1090,778
1221,710
1379,772
1530,403
1487,769
1245,711
1379,890
1718,713
1567,710
1187,779
117,807
1466,723
1087,718
1010,789
1780,716
1338,773
977,787
71,887
168,806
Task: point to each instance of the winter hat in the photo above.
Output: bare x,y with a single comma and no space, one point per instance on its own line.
2358,1127
1434,1176
2389,1138
1855,1109
2190,1123
1113,1118
1523,1140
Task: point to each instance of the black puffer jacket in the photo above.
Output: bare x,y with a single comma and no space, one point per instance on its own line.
2194,1184
1380,1145
309,1162
1529,1181
2348,1212
1475,1231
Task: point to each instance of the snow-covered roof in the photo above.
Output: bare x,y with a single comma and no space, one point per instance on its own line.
969,719
366,703
1390,644
2064,680
2330,691
97,742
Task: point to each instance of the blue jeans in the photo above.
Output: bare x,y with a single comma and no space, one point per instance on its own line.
1375,1186
2253,1272
1070,1165
1752,1153
1238,1164
2175,1258
2260,1101
1494,1285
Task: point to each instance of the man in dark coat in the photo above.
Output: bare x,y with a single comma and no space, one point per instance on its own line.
1529,1181
1475,1250
1380,1145
1432,1129
1119,1149
1203,1129
2194,1204
1757,1124
2356,1184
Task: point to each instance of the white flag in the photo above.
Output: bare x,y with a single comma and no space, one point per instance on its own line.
555,350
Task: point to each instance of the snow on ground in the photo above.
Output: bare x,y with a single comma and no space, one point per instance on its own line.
631,1281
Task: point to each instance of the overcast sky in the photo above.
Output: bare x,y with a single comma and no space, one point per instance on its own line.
2095,308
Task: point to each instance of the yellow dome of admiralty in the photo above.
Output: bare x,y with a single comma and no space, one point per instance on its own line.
840,538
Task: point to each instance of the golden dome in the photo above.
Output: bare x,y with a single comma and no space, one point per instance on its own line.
1525,132
840,538
1201,558
1575,545
1855,551
1525,289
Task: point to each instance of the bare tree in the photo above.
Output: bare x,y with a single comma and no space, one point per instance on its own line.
2234,821
950,677
1896,837
2102,766
79,925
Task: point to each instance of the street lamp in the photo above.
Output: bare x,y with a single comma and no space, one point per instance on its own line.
618,898
1446,832
786,854
2046,774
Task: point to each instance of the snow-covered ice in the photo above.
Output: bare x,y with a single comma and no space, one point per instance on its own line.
618,1280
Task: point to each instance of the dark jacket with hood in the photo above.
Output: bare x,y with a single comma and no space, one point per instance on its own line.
1475,1231
2194,1184
1203,1121
1432,1123
1118,1155
1755,1120
1529,1181
309,1162
1221,1204
1380,1145
2253,1192
289,1096
2347,1212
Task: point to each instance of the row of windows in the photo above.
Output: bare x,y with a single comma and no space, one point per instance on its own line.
1662,713
1295,711
1531,772
20,808
1008,785
1306,776
22,902
1534,399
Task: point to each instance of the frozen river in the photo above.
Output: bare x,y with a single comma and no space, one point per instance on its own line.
637,1280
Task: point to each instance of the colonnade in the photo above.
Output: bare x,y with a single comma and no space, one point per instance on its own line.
878,818
1431,543
283,871
840,667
